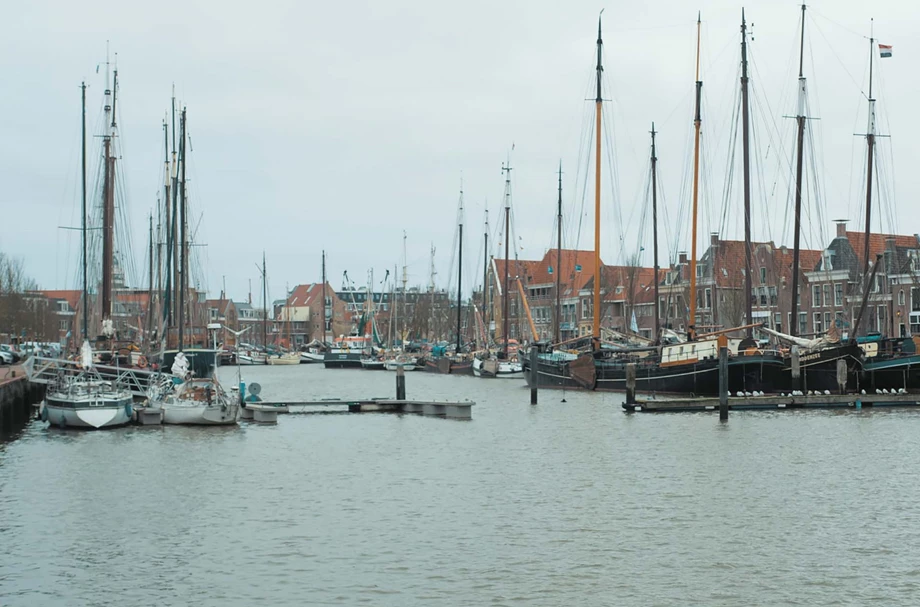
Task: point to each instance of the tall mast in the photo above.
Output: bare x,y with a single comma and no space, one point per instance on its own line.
697,121
870,144
108,206
83,223
264,305
160,310
655,233
800,147
174,220
149,322
459,271
486,310
598,102
746,152
183,277
405,281
558,327
507,170
324,296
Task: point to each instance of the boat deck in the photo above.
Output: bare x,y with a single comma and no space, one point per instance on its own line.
771,402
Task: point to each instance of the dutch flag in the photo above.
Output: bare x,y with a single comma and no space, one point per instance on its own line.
884,50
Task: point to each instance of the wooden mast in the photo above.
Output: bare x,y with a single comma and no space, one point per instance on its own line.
108,208
459,271
324,297
183,276
558,333
746,153
506,169
264,305
83,223
598,103
655,234
800,147
697,121
868,277
486,309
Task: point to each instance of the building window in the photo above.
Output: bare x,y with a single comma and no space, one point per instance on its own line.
827,296
816,296
587,308
803,323
699,270
901,297
902,330
708,298
778,322
763,296
915,299
818,326
827,320
838,294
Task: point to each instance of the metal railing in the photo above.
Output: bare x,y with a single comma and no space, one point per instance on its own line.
49,370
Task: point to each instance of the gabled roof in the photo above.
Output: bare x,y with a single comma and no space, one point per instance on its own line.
305,295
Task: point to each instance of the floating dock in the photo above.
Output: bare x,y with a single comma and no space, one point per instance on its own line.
773,402
450,410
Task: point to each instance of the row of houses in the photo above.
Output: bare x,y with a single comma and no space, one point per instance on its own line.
830,290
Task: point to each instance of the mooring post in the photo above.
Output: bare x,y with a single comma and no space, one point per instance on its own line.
723,384
534,376
796,369
630,383
842,375
400,383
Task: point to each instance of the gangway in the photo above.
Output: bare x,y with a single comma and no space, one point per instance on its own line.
47,370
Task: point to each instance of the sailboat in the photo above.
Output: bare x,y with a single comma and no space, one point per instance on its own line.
285,358
399,358
441,361
85,400
812,365
502,364
188,400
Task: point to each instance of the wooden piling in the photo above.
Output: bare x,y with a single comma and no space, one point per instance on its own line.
796,369
400,383
723,384
631,383
534,376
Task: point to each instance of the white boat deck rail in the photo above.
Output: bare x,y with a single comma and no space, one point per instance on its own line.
47,370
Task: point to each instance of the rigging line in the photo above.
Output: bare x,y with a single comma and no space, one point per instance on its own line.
839,60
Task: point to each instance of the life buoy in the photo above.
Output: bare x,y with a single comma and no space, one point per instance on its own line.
142,362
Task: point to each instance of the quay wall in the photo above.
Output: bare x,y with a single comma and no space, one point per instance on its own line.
17,396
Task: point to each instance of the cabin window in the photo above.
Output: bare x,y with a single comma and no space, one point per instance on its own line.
818,327
816,296
763,275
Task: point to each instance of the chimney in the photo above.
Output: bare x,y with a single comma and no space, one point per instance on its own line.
682,258
841,227
713,239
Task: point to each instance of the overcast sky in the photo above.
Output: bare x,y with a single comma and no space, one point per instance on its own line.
337,125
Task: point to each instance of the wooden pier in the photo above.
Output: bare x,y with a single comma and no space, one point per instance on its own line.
773,402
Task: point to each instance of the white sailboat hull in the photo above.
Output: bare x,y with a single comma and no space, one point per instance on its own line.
312,357
200,414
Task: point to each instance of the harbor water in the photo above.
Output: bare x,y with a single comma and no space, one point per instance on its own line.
562,503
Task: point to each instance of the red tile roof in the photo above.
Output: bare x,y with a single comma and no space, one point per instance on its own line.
305,295
72,297
537,272
878,243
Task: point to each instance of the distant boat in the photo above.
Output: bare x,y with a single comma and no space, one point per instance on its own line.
372,364
346,352
500,369
288,358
